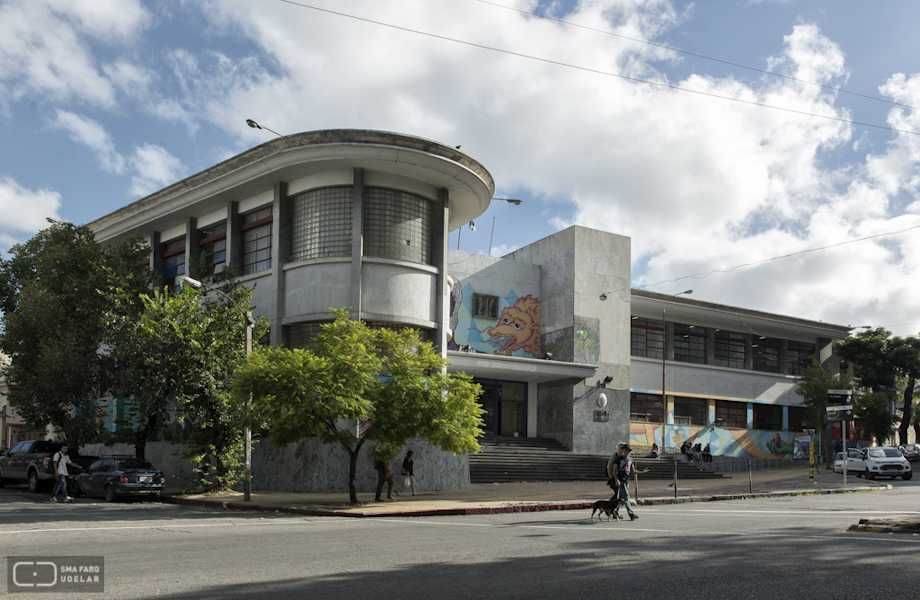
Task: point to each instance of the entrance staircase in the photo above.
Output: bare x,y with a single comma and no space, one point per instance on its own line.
509,459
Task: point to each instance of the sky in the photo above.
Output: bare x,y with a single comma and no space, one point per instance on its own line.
763,153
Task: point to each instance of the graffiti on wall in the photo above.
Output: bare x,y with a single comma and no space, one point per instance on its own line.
741,443
506,325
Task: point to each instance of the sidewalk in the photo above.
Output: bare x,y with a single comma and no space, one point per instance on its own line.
494,498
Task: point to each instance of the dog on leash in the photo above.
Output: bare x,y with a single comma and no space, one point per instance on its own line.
607,506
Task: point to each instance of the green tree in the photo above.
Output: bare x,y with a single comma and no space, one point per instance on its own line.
882,363
174,360
358,385
813,386
55,292
873,417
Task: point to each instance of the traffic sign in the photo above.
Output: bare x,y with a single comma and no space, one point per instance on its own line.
839,396
840,413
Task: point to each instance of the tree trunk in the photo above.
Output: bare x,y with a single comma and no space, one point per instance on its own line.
141,436
353,472
904,428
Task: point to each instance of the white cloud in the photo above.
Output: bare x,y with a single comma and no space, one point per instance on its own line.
24,211
155,168
45,48
90,133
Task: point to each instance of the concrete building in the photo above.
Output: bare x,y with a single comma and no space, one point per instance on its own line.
561,344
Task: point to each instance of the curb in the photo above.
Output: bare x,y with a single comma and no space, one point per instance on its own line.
494,510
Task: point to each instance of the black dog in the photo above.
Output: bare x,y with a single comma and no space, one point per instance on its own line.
607,506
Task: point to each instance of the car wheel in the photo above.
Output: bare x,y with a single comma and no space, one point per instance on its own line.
34,483
110,495
907,476
870,475
77,492
1,479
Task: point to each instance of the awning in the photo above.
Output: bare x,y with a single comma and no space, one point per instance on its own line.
510,368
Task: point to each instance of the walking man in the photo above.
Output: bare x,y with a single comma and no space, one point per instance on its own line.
383,476
61,460
625,466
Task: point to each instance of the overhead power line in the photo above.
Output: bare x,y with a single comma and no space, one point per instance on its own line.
736,267
597,71
703,56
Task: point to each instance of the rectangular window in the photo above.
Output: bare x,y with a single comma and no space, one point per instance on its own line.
173,263
797,418
799,355
646,338
690,343
767,355
731,414
768,416
257,240
485,306
729,349
646,408
690,411
214,250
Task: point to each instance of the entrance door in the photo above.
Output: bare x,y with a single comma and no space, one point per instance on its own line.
505,405
512,418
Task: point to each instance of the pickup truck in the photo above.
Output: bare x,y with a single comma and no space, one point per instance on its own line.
31,462
879,462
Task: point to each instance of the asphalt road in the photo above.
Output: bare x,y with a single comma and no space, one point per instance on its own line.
786,548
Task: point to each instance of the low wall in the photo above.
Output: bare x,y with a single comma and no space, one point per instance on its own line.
309,466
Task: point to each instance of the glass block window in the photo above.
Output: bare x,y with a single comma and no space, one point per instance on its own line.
322,223
173,263
646,338
214,249
302,335
690,411
768,416
397,225
799,355
729,349
646,408
690,343
767,355
731,414
257,240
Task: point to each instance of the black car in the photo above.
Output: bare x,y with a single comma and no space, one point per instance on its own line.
911,452
116,476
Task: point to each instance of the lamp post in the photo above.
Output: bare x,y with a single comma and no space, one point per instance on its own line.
247,432
513,201
255,125
664,353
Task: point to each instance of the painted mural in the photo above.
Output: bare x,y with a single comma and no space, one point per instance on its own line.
507,325
740,443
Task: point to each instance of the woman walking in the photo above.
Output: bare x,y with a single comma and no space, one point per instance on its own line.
408,472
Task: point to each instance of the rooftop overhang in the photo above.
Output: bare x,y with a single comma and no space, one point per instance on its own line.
509,368
470,187
649,305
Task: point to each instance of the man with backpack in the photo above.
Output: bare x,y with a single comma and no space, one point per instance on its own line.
625,465
61,460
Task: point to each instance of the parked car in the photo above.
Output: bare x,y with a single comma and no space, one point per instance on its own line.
30,462
116,476
838,461
880,462
911,452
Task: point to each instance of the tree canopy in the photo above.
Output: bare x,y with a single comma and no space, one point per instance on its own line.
55,291
813,386
885,362
357,384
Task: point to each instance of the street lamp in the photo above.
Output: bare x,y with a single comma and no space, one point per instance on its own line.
513,201
664,353
247,432
255,125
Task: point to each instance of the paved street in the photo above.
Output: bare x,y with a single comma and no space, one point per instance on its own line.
766,548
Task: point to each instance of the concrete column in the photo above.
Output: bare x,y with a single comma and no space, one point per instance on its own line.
439,241
748,352
750,415
357,240
192,249
710,346
282,223
710,411
156,260
531,409
234,239
784,358
785,418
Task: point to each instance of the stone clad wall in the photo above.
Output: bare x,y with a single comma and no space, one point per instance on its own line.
310,466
